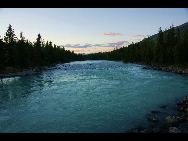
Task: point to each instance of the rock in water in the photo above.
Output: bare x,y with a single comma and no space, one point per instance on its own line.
164,106
181,117
180,106
155,112
185,99
174,130
152,118
171,121
138,130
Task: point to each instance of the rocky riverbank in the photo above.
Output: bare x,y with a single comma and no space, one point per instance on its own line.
31,71
177,70
177,123
27,72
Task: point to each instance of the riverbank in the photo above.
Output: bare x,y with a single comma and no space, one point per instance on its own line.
176,123
30,71
176,70
161,121
15,74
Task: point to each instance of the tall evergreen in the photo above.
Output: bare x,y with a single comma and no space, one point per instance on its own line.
10,39
184,55
10,36
22,53
38,55
177,49
169,46
160,47
2,55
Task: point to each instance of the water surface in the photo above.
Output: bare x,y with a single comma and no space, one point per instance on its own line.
86,96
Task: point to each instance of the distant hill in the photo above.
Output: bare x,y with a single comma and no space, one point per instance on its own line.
181,28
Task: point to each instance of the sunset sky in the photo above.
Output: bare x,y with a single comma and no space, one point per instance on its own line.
90,30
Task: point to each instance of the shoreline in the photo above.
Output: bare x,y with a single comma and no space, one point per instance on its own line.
171,123
176,70
31,71
16,74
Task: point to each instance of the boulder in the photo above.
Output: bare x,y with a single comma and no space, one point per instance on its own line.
138,130
164,106
174,130
155,112
186,111
186,118
185,100
171,121
180,106
154,129
181,117
152,118
134,130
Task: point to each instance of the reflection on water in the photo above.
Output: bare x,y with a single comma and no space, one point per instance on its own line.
86,96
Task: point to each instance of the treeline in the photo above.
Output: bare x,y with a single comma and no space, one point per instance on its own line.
22,54
169,49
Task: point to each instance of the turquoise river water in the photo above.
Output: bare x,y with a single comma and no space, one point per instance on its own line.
86,96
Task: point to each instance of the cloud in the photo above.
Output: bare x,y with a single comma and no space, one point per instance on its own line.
111,34
138,39
139,35
118,44
94,48
76,45
86,45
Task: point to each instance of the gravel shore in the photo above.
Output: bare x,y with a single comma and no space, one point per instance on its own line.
177,70
28,72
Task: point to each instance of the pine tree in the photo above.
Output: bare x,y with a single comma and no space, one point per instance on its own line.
2,55
10,36
160,47
177,48
184,56
22,57
169,46
38,55
10,40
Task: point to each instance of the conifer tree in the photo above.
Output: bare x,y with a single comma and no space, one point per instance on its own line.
2,55
184,55
177,48
22,59
169,46
160,47
38,55
10,40
10,36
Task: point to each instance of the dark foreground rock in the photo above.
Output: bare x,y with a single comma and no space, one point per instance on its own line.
174,130
169,124
171,121
152,118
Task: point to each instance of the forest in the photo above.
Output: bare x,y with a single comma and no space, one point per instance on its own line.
167,48
19,54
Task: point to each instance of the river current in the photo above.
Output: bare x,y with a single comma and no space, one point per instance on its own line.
86,96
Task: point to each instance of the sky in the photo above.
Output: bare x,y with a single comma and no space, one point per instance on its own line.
90,30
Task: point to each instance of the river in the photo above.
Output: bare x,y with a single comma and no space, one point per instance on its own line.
86,96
